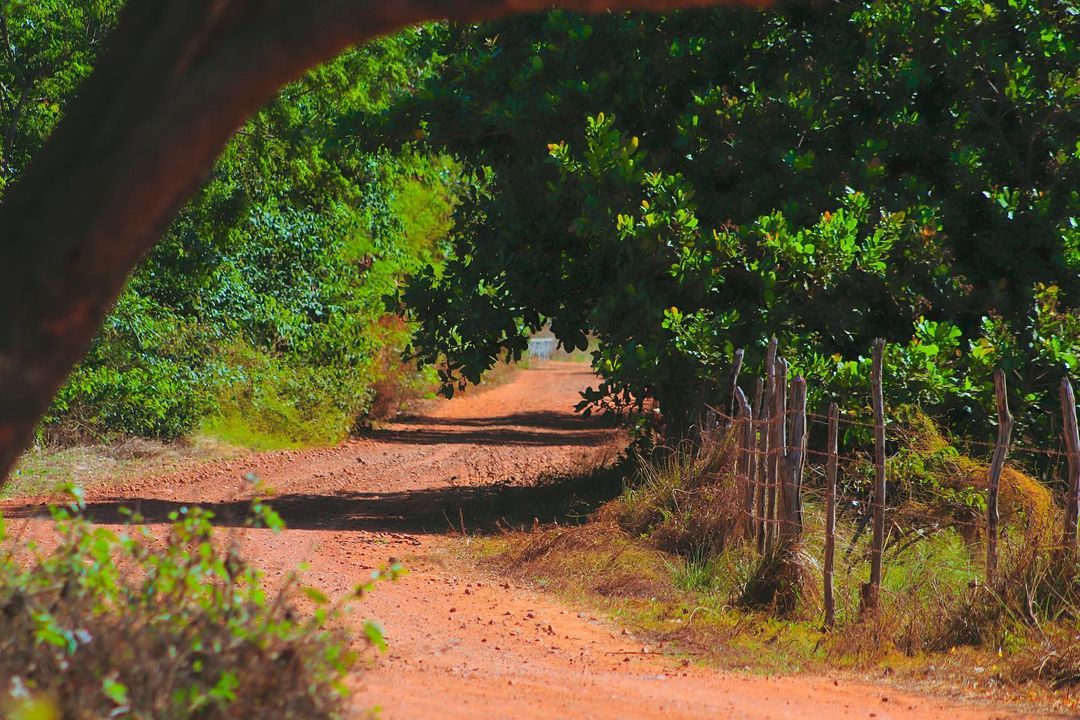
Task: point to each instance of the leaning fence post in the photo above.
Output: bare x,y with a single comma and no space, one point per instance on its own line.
830,515
1072,449
733,382
792,463
997,464
745,460
872,590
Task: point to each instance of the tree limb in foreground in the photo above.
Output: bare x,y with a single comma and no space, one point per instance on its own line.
175,81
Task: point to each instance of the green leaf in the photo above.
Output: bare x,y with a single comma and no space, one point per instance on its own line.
315,595
115,691
374,634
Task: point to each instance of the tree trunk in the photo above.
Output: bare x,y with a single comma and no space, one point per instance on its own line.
681,410
176,80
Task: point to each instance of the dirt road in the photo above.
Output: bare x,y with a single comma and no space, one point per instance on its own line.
470,646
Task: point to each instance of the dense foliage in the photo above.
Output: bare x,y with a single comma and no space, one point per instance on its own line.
687,184
676,186
260,314
47,47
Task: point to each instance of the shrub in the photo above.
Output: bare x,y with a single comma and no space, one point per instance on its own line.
273,401
112,624
935,482
149,373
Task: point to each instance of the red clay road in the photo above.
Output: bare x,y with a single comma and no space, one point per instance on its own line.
463,645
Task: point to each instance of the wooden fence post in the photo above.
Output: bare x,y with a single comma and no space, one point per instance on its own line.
872,590
767,446
792,463
757,470
1072,448
745,462
777,448
830,515
997,464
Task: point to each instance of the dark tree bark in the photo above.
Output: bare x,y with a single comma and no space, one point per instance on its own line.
176,80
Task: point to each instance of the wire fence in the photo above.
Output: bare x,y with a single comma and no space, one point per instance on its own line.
773,458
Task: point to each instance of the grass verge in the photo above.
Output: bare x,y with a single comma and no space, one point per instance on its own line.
684,607
42,470
666,558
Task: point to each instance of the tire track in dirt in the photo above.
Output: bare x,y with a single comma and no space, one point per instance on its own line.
473,646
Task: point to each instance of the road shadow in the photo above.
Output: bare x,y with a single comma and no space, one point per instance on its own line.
474,509
521,429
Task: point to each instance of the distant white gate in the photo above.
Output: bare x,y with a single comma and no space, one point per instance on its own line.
541,348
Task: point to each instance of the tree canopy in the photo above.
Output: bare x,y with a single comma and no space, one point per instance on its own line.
675,185
176,81
687,184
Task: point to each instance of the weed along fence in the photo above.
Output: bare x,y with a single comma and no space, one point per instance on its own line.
771,426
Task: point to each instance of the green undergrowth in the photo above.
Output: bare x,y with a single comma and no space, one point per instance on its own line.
264,313
256,414
89,616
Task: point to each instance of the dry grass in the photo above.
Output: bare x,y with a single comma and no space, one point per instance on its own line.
41,470
597,557
684,501
937,483
667,557
783,583
1054,658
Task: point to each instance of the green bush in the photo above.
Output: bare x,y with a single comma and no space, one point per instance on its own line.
273,401
149,372
85,626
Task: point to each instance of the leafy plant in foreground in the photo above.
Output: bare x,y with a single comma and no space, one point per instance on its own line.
126,624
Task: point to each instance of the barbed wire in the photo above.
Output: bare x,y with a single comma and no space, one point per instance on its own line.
763,480
1013,447
943,517
750,462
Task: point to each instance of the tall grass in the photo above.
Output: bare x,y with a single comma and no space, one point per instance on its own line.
934,595
684,500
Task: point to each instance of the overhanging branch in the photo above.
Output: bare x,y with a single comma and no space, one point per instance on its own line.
175,82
